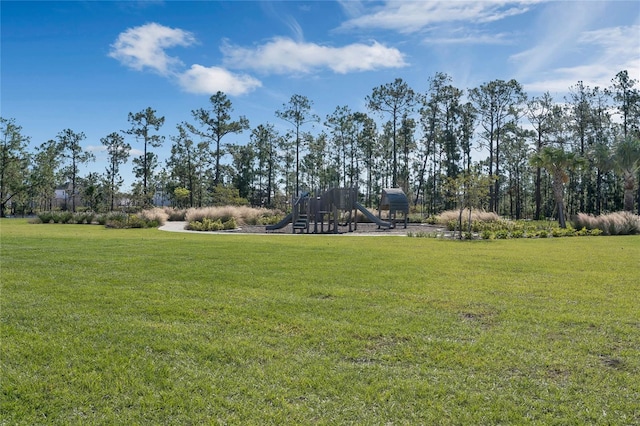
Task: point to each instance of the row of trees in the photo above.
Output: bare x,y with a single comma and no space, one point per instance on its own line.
431,144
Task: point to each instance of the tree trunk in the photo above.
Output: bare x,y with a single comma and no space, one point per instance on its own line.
558,192
629,186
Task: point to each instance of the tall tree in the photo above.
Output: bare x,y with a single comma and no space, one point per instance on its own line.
297,113
75,156
265,140
447,129
14,161
540,112
498,102
313,163
344,137
407,141
43,179
627,159
515,155
118,154
183,165
143,124
396,99
367,147
627,98
243,168
558,162
216,124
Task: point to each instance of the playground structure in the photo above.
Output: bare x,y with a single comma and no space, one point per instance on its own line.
338,207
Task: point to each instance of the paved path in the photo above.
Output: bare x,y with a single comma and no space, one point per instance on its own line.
364,229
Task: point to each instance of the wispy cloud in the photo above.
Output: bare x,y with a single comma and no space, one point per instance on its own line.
412,16
462,36
610,50
284,55
144,47
96,148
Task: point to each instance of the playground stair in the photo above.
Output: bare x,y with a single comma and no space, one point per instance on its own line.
301,223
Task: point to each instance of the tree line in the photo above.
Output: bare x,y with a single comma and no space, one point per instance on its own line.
544,157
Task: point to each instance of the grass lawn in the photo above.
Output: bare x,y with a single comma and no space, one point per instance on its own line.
106,326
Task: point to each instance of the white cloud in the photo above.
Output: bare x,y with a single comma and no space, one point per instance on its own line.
144,47
412,16
283,55
208,80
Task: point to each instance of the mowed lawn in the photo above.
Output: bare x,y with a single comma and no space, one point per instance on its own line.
106,326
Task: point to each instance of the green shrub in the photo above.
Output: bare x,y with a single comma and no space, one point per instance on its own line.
486,234
542,233
45,217
582,232
517,233
595,232
502,234
422,234
85,217
230,224
62,217
206,225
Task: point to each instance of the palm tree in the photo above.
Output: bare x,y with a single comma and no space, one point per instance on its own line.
557,162
627,160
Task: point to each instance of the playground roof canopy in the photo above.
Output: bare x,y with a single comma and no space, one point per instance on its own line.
394,199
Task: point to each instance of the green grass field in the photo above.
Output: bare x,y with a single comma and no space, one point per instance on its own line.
105,326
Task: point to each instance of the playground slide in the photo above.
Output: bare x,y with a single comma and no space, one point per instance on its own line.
373,218
281,224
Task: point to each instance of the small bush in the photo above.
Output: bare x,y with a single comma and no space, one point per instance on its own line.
45,217
206,225
62,217
502,234
85,217
486,235
582,232
422,234
542,233
230,224
517,233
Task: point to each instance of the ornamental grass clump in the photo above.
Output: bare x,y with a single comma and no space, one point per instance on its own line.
618,223
156,214
175,215
120,220
476,215
243,215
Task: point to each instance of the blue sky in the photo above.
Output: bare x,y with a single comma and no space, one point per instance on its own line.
86,65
